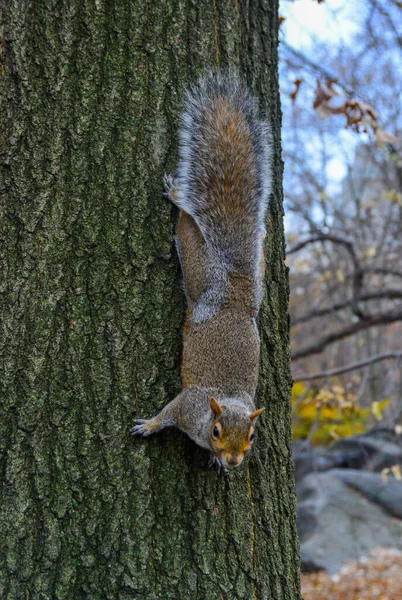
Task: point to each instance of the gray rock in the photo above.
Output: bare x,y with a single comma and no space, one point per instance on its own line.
312,460
372,452
337,524
369,452
388,495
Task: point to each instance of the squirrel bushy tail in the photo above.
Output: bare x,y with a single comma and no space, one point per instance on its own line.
223,179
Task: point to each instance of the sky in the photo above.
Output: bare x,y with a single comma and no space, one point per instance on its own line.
333,22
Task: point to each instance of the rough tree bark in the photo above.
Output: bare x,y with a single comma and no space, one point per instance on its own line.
92,309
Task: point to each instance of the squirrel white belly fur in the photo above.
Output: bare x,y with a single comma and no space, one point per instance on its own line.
222,190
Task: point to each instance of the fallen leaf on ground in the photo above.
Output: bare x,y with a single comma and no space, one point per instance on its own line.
375,578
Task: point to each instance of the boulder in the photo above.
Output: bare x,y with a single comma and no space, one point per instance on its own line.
387,493
308,459
370,452
338,524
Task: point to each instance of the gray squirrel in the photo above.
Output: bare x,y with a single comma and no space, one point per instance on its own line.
222,190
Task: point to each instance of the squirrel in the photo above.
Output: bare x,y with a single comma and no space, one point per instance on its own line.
222,189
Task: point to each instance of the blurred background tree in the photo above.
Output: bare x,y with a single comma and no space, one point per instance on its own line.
341,97
341,68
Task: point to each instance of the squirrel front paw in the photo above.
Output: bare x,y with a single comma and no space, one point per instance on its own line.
215,463
143,427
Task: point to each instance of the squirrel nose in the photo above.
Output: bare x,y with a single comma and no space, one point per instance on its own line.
234,460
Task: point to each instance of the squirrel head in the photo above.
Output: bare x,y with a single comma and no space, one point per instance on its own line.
232,433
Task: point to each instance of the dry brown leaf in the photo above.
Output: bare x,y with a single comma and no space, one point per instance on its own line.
297,83
360,115
324,92
374,578
382,138
367,109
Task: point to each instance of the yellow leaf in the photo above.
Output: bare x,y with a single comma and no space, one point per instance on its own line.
298,388
396,470
384,475
370,252
340,275
334,434
326,276
376,410
393,196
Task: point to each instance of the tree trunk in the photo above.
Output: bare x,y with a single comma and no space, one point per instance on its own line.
92,310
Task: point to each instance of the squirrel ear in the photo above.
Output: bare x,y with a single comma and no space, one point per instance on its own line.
215,407
256,414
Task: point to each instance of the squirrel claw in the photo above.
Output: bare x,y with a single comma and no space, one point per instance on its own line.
216,464
140,428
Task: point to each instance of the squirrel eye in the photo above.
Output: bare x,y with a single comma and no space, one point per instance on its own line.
252,436
215,431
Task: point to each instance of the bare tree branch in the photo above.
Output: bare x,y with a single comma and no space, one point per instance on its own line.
314,314
348,368
358,273
388,19
369,321
324,237
318,69
380,271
